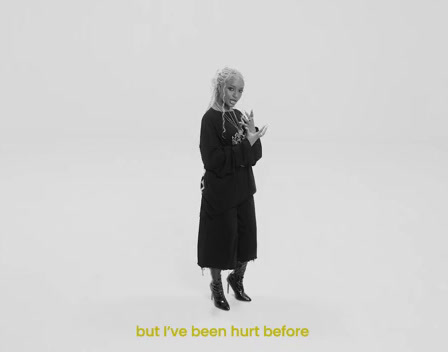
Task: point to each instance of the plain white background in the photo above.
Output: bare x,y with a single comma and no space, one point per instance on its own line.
101,103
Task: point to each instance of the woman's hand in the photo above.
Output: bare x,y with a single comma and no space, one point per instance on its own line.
253,136
251,133
248,121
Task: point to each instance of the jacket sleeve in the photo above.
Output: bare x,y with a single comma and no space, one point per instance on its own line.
221,159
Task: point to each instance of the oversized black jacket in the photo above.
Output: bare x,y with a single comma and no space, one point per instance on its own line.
228,178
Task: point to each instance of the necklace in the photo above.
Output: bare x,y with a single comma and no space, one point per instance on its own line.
233,120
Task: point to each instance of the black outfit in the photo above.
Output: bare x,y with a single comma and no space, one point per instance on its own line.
227,226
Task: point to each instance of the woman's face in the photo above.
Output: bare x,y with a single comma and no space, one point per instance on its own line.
232,91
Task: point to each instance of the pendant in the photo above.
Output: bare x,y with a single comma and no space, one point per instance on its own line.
238,137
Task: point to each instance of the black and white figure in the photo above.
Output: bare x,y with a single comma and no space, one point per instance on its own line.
230,146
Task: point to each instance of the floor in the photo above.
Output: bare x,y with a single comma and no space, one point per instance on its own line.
98,240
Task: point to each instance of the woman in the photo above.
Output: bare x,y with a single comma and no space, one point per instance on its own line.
230,145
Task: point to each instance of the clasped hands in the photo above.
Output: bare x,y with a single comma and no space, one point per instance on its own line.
251,133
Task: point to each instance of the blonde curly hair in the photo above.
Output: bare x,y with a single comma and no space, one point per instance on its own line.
218,89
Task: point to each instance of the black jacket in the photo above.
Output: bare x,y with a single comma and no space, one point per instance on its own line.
228,179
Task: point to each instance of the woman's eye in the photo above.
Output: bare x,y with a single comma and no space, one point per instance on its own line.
230,89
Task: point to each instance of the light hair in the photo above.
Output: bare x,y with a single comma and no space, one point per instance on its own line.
218,89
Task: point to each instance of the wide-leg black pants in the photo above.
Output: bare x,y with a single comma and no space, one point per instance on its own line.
228,237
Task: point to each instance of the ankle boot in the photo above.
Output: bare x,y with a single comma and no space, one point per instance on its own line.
217,291
235,280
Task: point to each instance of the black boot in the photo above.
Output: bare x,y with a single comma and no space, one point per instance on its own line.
217,290
235,279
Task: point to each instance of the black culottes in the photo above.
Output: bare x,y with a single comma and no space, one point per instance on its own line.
228,237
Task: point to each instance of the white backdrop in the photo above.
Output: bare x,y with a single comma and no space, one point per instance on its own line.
101,103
